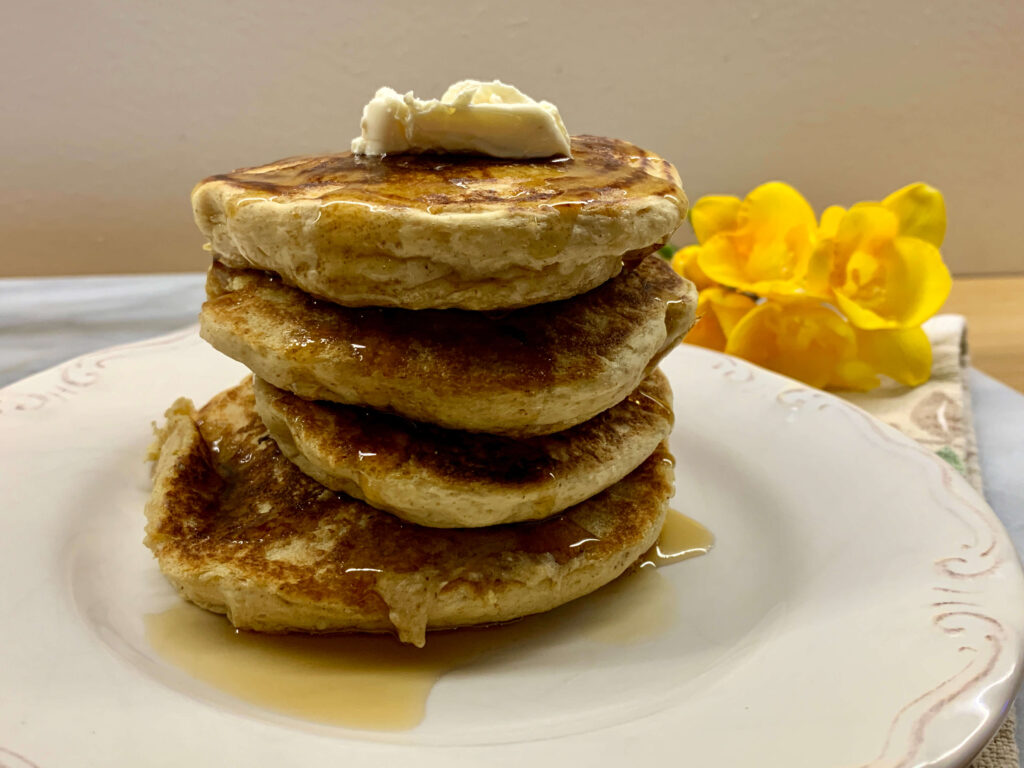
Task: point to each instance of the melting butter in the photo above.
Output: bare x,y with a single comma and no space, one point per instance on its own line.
492,118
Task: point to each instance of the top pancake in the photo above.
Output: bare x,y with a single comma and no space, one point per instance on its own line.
444,231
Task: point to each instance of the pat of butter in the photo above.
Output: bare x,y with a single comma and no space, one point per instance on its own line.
480,118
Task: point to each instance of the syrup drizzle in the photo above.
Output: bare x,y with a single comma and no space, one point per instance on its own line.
377,683
681,538
358,681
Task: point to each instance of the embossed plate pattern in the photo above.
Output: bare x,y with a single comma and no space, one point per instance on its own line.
862,607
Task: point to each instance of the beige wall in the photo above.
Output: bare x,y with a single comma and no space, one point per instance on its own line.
112,110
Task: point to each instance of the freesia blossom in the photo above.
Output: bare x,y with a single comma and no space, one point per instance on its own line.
805,340
836,302
765,244
887,271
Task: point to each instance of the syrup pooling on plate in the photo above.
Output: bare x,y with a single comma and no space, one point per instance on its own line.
373,682
358,681
681,538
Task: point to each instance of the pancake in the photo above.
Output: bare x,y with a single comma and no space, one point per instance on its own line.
429,231
238,529
526,372
450,479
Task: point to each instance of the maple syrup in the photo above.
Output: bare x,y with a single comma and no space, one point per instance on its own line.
374,682
681,538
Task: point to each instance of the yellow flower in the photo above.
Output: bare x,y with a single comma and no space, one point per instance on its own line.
684,262
805,340
903,354
834,302
766,244
830,219
718,312
887,271
809,341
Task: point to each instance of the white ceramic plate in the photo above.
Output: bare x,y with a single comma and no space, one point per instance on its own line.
863,606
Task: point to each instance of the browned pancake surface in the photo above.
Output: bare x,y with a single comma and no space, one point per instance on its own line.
444,231
452,479
524,372
601,174
241,530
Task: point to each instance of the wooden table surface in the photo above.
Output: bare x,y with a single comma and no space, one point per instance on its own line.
994,308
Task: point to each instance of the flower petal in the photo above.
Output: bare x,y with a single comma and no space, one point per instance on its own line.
729,307
900,287
722,262
771,210
780,268
867,227
706,332
904,354
830,219
782,289
684,262
713,214
854,374
805,340
927,278
718,310
819,270
921,211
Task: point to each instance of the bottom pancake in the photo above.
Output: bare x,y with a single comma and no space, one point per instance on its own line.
240,530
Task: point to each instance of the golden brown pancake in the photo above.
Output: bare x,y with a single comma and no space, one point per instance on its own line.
526,372
429,231
241,531
450,479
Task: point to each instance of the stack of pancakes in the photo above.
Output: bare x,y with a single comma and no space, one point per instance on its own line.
456,416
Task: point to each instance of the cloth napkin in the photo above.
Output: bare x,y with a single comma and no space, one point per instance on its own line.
937,414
